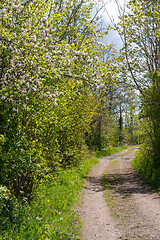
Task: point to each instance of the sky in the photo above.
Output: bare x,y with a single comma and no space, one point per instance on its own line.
111,9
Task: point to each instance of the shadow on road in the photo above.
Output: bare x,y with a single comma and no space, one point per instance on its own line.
127,183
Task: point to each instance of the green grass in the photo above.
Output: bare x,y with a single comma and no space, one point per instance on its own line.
114,163
51,215
110,150
109,198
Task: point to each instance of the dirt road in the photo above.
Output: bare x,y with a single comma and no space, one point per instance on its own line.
126,209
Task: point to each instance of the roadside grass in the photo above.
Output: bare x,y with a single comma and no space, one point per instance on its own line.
51,215
110,150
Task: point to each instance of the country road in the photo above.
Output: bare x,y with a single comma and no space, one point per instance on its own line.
125,208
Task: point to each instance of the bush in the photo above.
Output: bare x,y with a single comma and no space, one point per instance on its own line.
147,165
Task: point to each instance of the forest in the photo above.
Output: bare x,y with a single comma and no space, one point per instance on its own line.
65,98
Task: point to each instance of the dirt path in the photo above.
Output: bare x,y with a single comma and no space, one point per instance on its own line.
127,209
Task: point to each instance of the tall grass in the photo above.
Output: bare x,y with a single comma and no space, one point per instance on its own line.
51,215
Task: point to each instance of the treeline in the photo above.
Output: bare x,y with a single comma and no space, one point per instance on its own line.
50,71
140,31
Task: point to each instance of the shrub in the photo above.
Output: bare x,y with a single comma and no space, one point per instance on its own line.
147,165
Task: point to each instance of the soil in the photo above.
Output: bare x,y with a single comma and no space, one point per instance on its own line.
117,204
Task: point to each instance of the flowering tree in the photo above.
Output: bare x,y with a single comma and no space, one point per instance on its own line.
50,74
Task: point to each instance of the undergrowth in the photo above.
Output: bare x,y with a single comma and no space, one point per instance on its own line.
51,214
